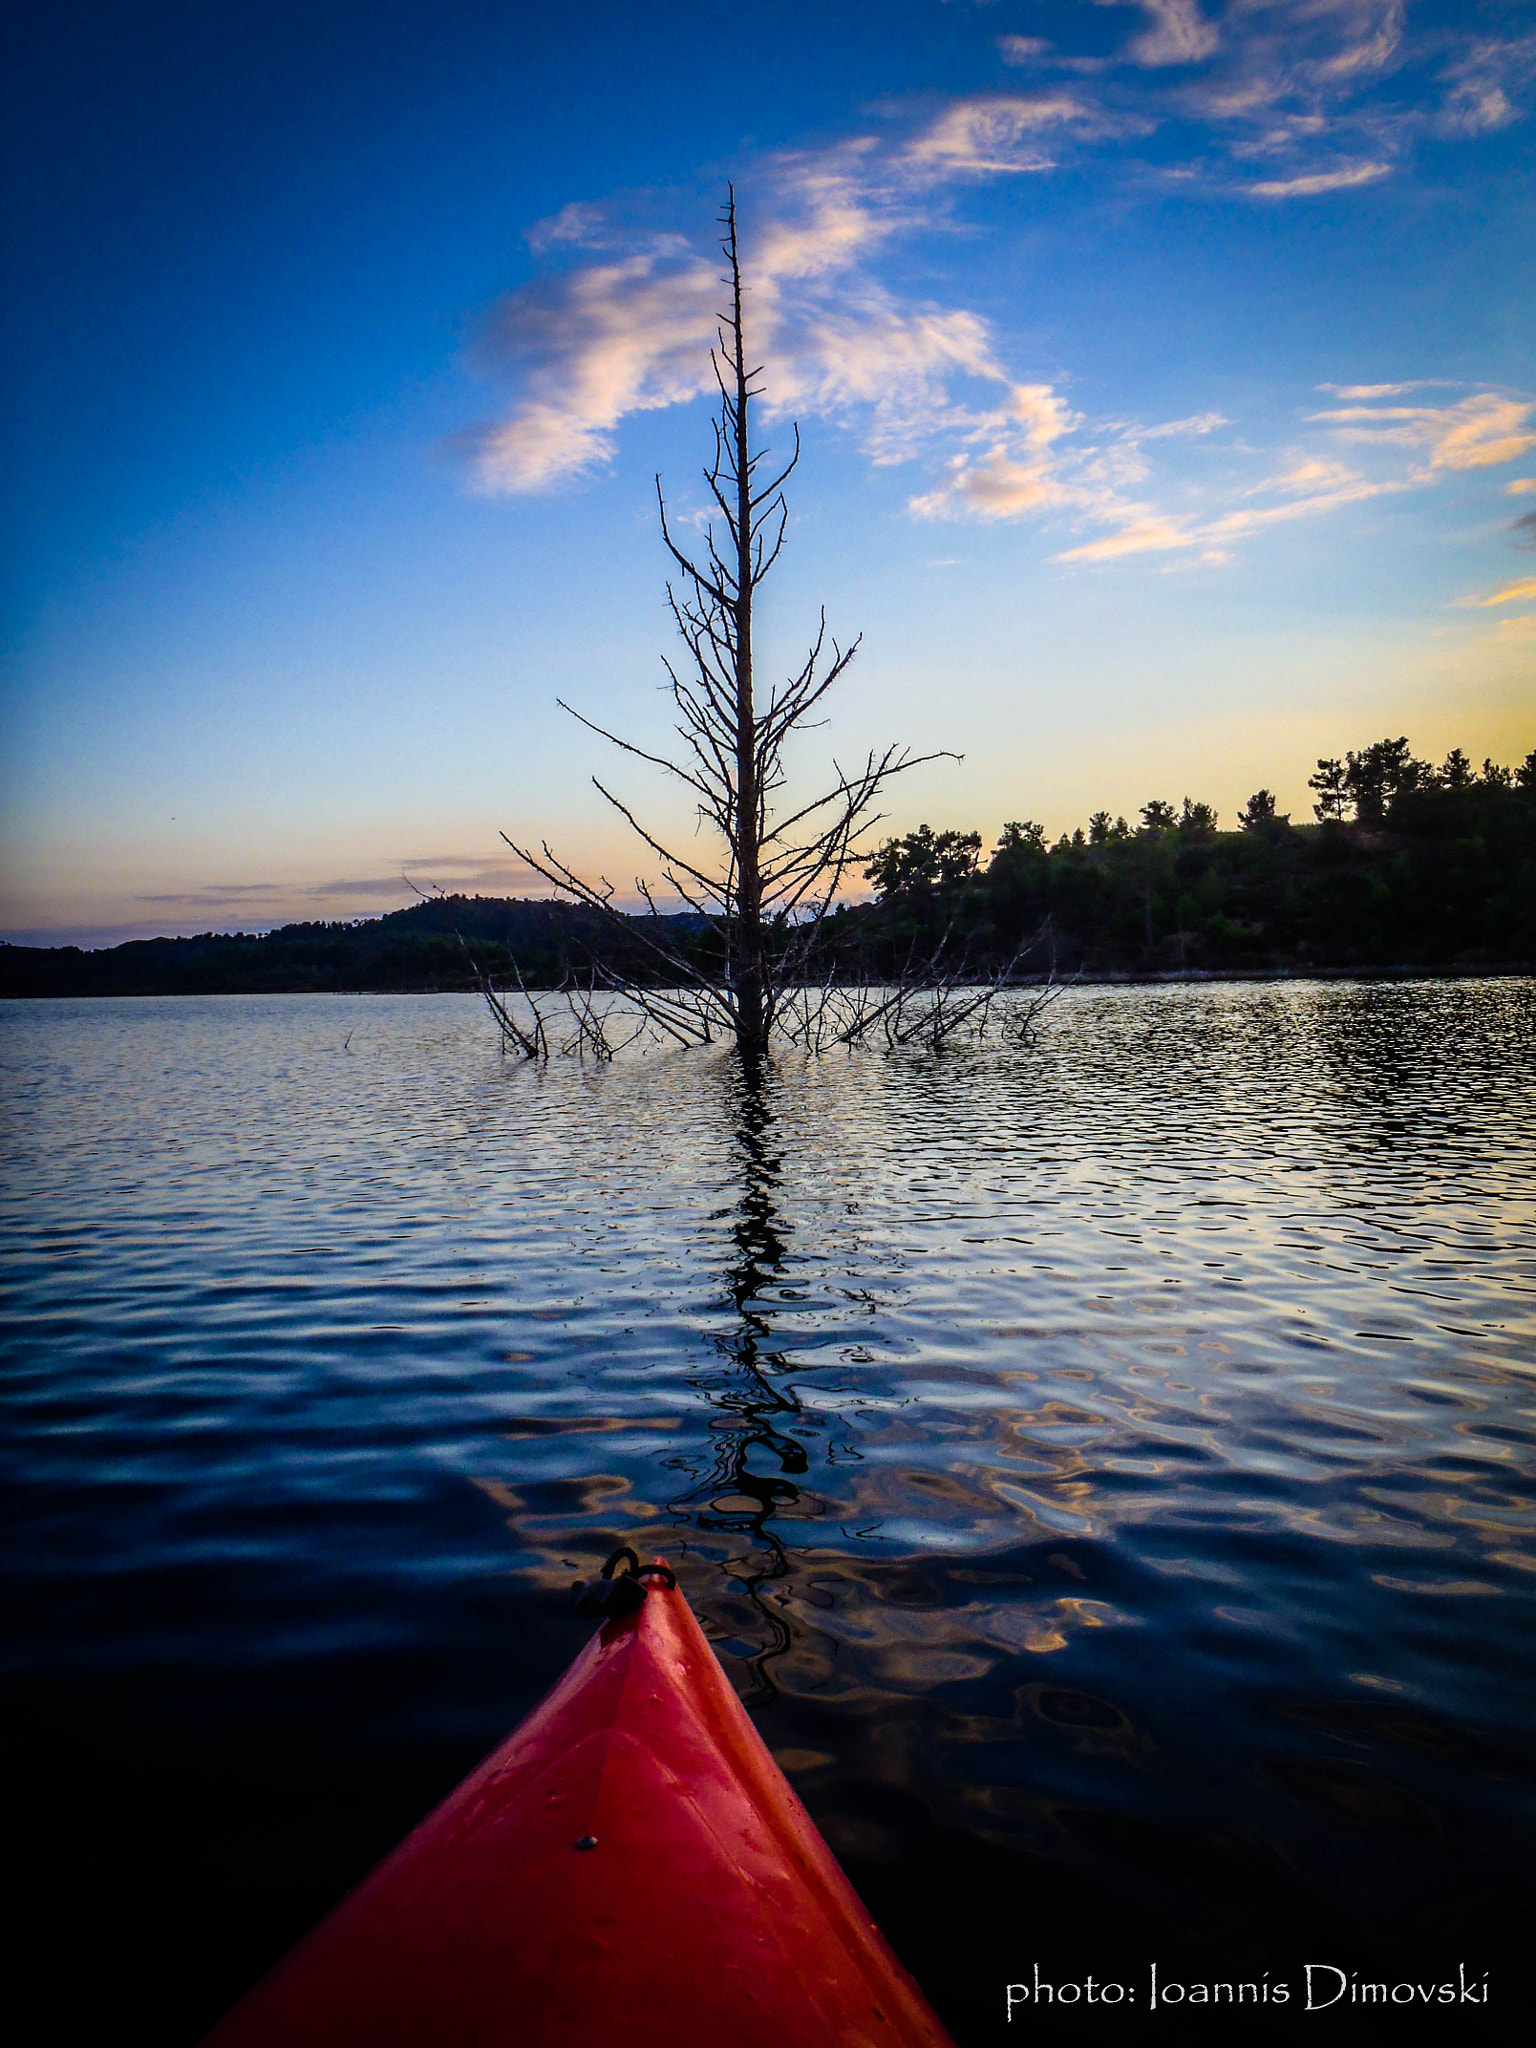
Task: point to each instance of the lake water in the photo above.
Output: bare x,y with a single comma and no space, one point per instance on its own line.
1103,1464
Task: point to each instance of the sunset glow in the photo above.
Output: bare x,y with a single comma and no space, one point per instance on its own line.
1163,372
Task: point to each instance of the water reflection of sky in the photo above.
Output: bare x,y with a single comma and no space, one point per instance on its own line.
1117,1443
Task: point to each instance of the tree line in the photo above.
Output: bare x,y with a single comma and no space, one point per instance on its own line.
1403,864
444,943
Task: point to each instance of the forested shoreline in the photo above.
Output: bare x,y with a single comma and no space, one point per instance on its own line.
1403,866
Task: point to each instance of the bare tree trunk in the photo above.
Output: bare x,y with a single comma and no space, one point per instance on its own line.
749,953
766,900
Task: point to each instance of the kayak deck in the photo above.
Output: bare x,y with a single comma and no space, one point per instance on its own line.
629,1867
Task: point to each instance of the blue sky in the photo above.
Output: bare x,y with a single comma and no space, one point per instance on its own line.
1164,373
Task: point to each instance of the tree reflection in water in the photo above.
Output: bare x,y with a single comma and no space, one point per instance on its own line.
756,1456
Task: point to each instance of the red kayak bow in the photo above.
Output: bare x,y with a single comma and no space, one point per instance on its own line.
629,1868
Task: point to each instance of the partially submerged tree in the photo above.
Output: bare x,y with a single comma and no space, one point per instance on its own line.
760,897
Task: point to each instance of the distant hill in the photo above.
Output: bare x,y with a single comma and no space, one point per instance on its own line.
437,944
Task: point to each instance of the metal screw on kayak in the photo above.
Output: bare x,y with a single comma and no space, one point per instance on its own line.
587,1842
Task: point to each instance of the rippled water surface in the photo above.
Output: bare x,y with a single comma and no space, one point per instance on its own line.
1104,1464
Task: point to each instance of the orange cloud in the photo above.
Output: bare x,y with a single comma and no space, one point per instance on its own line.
1479,431
1507,593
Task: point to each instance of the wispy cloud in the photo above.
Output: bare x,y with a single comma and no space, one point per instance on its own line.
1507,593
996,485
1302,492
1144,531
1300,98
578,225
1478,85
1022,50
1477,432
271,901
1388,390
1308,184
1178,33
1309,477
1341,488
630,329
915,382
1197,423
1000,134
623,320
593,345
222,896
1406,448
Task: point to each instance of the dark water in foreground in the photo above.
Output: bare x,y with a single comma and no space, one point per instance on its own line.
1105,1467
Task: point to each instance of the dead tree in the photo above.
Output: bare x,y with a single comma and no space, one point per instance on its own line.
777,864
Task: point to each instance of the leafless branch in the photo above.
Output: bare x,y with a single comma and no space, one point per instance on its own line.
756,960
